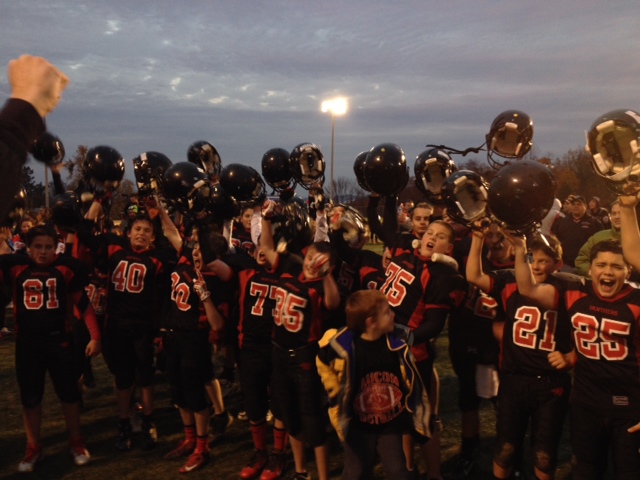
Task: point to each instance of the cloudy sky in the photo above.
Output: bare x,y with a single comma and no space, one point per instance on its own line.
250,75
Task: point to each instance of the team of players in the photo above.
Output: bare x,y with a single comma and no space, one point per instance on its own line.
533,313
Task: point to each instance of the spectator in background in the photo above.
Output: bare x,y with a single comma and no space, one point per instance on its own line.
583,260
574,230
597,211
566,205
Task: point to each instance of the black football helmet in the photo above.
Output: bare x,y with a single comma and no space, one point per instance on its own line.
431,169
521,194
510,136
358,169
65,211
465,194
385,169
351,224
187,188
291,226
149,169
276,169
613,142
307,165
15,211
205,156
243,183
48,149
223,205
103,168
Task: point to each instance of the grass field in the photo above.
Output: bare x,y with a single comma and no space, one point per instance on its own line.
228,456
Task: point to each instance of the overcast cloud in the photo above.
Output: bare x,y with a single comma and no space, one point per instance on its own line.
250,75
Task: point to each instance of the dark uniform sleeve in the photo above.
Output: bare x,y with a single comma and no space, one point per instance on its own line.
446,291
20,125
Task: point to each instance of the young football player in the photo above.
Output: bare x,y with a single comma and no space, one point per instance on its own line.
45,288
303,298
136,271
422,292
188,350
535,355
604,316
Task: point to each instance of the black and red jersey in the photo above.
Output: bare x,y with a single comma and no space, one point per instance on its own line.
419,290
471,324
42,296
241,239
299,314
606,335
371,273
134,284
258,300
530,333
185,312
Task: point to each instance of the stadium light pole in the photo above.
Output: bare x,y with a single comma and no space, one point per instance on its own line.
336,106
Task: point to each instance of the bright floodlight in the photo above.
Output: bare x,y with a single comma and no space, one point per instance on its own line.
337,106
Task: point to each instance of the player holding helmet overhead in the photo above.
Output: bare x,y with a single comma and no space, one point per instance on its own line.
605,404
304,297
536,352
136,271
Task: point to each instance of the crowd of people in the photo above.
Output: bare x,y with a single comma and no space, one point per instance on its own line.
324,332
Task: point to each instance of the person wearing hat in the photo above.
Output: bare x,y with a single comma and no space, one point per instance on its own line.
574,230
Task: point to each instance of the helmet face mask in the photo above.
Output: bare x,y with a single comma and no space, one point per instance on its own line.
187,188
204,155
351,224
149,169
510,136
465,194
431,169
307,165
613,142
